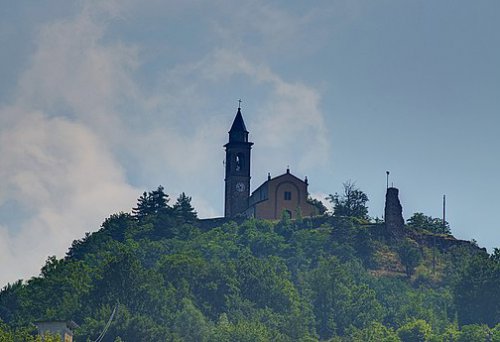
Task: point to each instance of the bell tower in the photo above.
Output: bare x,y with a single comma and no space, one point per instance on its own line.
237,180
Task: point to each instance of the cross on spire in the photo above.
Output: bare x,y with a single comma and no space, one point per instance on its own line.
239,104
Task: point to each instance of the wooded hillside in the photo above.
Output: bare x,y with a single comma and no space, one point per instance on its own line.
173,277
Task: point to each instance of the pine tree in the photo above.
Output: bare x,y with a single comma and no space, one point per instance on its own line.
142,209
184,210
158,200
153,202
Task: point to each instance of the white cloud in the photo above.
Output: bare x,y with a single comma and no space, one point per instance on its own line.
76,109
81,122
59,172
289,123
74,73
56,142
261,29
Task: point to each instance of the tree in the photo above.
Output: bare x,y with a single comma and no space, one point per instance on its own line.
410,255
375,332
320,207
159,199
495,333
429,223
142,209
265,282
184,210
25,334
351,203
475,332
150,203
190,324
416,331
450,334
495,256
116,225
477,292
243,331
338,302
5,333
259,280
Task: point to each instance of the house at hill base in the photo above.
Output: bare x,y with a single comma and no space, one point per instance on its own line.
63,329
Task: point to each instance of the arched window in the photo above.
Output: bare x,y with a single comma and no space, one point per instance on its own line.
240,161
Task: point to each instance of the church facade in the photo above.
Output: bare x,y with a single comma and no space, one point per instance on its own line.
284,194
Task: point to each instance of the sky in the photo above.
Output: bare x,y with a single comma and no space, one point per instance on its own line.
102,100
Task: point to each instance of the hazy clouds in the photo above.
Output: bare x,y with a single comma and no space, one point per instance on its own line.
85,134
101,100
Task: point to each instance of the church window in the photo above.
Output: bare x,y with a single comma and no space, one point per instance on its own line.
239,162
288,196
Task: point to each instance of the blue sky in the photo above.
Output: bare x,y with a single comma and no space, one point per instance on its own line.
101,100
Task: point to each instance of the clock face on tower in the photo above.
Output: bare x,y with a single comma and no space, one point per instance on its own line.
240,186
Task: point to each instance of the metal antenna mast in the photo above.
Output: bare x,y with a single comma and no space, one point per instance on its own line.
224,192
444,211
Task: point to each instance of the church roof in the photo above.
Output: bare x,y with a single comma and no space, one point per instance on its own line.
274,179
287,174
69,324
238,123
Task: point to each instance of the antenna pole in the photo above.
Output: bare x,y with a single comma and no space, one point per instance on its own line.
444,211
224,192
387,173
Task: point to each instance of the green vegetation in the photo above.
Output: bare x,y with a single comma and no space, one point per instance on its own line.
329,278
431,224
351,203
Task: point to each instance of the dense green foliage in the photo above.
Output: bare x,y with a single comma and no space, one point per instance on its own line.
175,278
429,223
320,207
351,203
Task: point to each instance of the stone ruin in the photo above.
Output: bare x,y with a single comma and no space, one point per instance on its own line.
393,214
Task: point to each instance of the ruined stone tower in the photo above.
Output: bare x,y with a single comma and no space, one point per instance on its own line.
394,221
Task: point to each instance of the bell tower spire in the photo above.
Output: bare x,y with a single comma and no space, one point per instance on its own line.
237,180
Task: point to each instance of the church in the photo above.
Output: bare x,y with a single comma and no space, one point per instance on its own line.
284,194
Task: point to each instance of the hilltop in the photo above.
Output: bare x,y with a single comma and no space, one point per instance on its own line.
174,277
